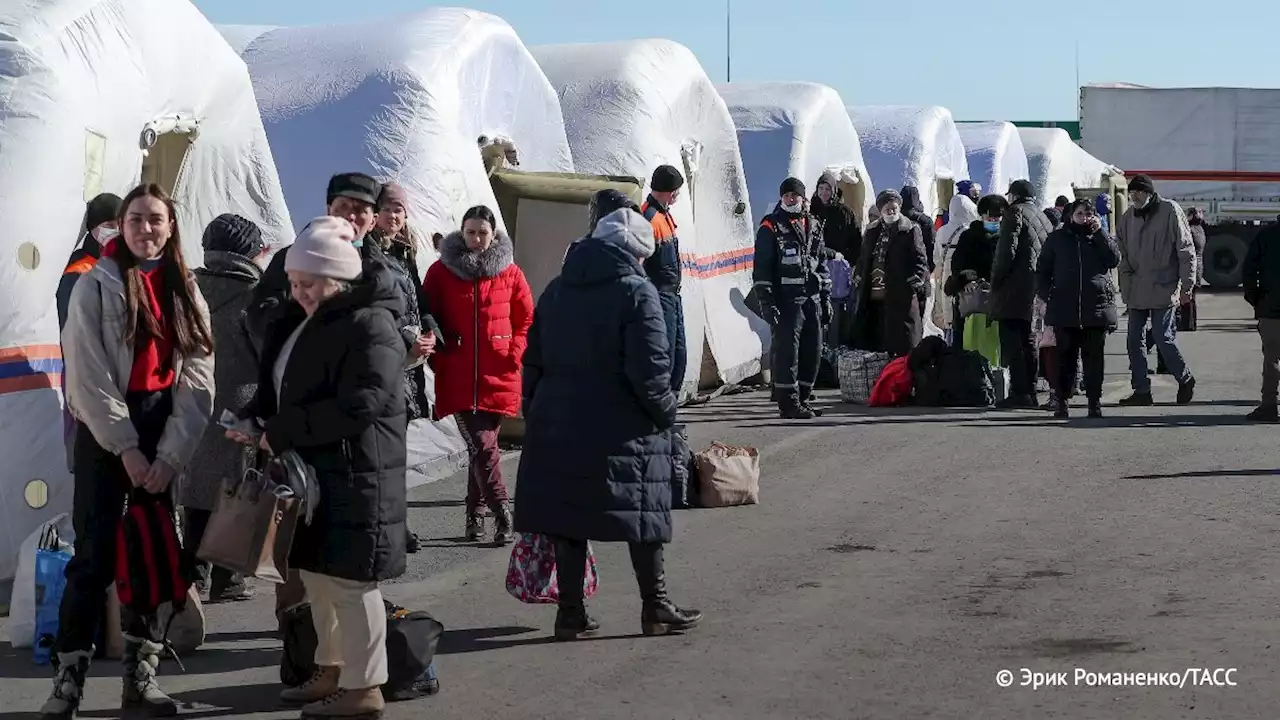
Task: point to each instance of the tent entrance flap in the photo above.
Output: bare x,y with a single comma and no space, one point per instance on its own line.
946,191
166,158
544,212
854,196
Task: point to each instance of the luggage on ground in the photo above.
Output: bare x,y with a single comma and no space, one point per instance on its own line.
859,371
893,387
728,476
412,640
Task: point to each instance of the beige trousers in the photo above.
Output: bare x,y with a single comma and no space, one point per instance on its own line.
351,627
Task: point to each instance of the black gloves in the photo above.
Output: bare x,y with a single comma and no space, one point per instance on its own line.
828,311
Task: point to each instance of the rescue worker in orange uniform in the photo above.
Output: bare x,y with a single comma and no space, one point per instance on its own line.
793,286
663,268
99,228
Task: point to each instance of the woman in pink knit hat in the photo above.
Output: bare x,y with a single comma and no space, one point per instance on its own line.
332,390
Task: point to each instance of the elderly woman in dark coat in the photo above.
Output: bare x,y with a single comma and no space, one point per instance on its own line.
233,248
1073,278
331,389
599,455
893,276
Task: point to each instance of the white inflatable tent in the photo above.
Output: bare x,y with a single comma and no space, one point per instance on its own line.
994,153
1058,165
404,98
85,86
920,146
632,106
796,129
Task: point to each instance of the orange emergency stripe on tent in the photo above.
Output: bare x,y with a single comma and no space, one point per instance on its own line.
709,266
30,367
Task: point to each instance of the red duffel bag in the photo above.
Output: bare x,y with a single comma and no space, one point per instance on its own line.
893,387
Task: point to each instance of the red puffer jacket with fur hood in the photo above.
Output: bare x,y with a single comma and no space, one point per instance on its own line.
484,307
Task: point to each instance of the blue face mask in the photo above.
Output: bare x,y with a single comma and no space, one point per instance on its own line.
991,225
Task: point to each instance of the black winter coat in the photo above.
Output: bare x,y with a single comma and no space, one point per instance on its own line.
402,257
342,409
1013,274
913,207
1073,278
598,456
906,272
226,281
1262,273
972,258
840,230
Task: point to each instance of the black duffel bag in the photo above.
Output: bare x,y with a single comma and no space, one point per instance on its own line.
412,638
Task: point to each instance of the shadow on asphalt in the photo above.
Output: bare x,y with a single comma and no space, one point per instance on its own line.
217,702
455,642
1206,474
19,663
241,636
1130,421
435,503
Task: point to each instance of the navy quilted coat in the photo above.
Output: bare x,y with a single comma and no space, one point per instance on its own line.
598,457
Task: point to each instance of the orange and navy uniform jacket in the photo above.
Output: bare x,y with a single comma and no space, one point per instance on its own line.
663,268
80,263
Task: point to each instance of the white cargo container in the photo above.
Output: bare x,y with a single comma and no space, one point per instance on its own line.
1213,148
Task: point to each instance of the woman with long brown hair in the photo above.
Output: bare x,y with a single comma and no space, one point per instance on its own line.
138,352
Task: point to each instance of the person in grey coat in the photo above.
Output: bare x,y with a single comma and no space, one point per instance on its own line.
1157,274
1023,231
233,247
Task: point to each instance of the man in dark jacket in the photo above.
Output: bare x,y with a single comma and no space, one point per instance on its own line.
233,248
99,227
600,452
913,209
663,267
1013,286
794,289
1262,291
353,196
841,232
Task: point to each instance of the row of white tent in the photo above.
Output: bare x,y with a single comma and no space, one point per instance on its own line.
96,95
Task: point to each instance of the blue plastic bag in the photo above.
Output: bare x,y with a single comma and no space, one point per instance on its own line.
51,581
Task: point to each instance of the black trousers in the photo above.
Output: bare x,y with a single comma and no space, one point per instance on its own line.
797,350
1018,353
101,489
571,566
1089,346
673,316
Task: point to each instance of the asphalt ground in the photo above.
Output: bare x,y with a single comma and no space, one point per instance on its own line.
899,560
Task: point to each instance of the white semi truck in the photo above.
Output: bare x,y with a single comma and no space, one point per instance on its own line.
1217,149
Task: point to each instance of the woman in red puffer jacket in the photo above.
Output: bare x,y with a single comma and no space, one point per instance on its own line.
484,307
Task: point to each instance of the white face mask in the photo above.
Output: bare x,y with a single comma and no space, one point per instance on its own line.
891,218
1142,204
105,235
794,207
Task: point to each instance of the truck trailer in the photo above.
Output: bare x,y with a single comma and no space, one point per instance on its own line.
1217,149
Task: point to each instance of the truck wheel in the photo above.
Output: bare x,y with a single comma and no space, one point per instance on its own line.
1224,261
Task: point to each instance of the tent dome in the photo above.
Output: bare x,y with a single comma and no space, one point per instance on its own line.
632,106
85,86
794,129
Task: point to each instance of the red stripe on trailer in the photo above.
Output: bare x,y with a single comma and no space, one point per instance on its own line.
1218,175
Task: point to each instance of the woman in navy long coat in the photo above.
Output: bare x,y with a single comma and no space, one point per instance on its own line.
599,457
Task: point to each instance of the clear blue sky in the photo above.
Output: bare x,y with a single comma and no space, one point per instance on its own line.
983,59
